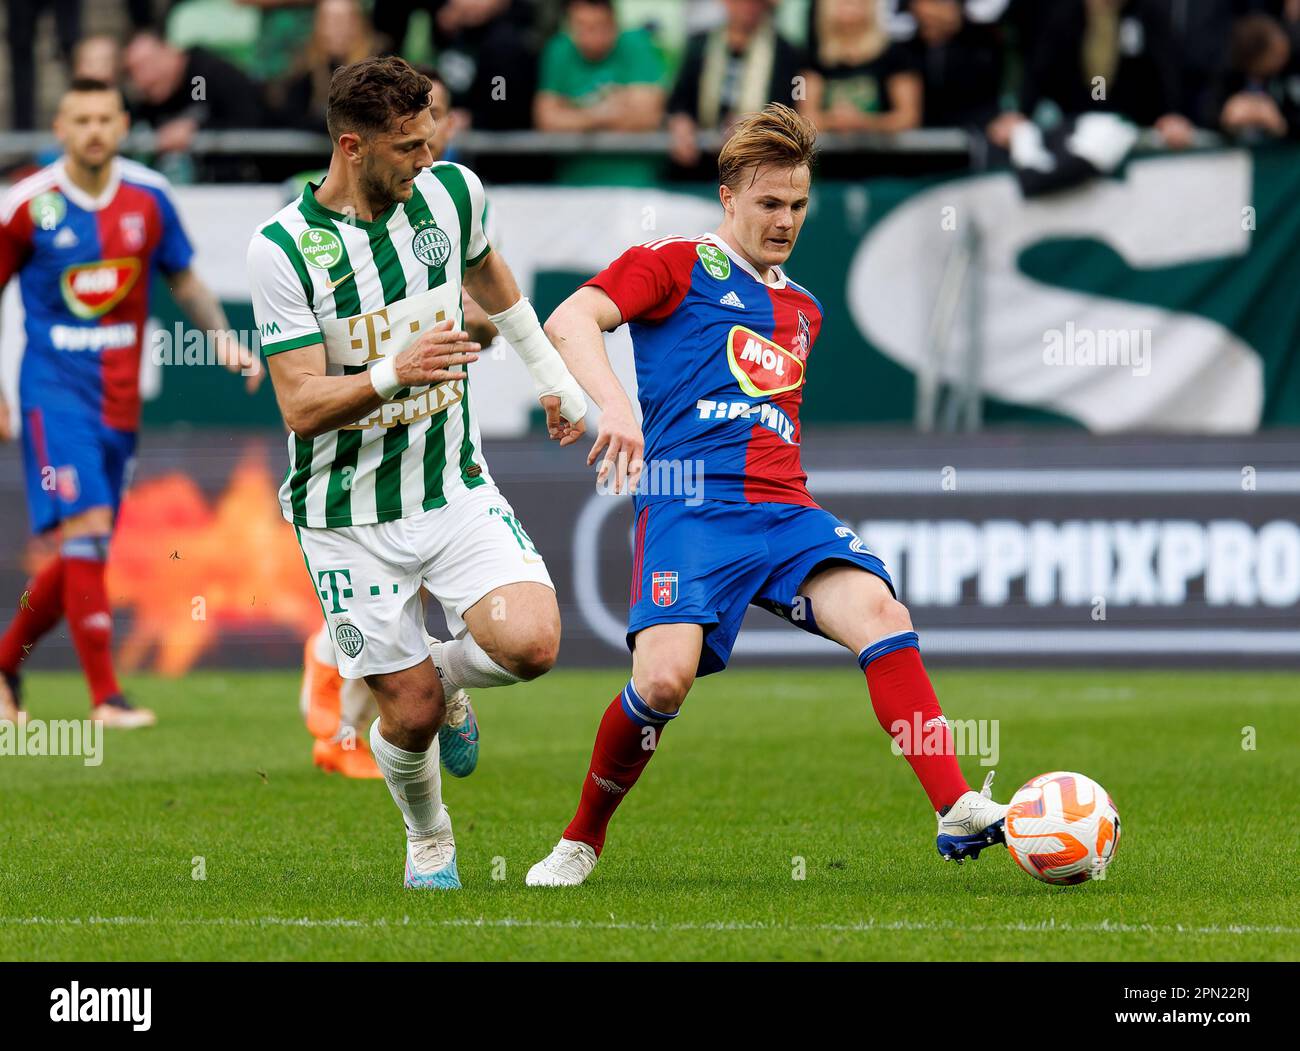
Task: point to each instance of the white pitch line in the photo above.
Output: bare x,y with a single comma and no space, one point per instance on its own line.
863,926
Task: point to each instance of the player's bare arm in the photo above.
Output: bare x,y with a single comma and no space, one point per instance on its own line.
577,329
494,287
203,308
313,403
477,323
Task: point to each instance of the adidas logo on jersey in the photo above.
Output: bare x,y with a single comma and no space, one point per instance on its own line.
731,300
65,238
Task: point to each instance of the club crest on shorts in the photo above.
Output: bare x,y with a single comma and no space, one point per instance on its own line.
67,484
663,588
349,639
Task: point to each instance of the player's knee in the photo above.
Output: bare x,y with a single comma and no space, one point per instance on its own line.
413,712
534,659
535,654
93,522
417,724
664,688
887,616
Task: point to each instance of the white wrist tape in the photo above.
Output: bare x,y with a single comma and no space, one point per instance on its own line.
383,377
521,329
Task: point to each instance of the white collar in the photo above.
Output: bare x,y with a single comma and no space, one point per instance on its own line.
744,264
80,197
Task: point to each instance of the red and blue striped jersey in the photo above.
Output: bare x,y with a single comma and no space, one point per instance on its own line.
721,360
85,265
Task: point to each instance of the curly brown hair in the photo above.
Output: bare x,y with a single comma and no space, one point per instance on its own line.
368,96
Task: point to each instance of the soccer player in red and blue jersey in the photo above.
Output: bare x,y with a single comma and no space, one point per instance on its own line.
722,338
85,236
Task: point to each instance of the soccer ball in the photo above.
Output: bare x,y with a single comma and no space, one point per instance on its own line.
1062,828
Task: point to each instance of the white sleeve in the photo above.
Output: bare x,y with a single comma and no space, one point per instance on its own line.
281,292
477,246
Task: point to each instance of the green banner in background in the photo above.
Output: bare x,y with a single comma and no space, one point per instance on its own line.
1163,299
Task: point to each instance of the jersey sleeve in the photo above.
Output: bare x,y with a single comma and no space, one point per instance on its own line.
281,292
174,252
15,239
476,245
646,284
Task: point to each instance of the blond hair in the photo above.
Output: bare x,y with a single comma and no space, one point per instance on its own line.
838,49
776,135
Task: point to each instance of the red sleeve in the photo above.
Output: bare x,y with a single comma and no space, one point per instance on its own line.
15,243
647,284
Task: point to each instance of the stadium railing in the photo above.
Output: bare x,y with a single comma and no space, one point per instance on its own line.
277,142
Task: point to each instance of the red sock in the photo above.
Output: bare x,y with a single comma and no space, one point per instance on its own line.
901,694
85,600
625,742
39,612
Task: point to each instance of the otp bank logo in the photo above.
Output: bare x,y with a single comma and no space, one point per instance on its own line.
93,289
760,366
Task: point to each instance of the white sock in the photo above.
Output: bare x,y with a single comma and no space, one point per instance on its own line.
414,779
323,647
462,663
355,703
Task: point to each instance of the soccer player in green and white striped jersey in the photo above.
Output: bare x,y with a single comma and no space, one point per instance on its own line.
357,296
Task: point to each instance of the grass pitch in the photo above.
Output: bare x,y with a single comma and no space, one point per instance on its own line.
764,768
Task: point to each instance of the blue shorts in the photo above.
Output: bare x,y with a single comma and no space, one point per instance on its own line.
72,462
708,563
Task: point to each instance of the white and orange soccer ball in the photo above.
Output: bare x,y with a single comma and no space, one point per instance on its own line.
1062,828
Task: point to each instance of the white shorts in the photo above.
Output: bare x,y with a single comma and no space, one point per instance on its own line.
368,577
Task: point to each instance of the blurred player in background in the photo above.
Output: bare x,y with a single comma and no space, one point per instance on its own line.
85,236
721,338
335,708
357,292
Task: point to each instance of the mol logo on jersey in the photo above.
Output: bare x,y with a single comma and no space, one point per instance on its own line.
93,289
760,366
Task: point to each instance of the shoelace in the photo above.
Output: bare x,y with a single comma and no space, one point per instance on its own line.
431,855
457,705
987,790
571,855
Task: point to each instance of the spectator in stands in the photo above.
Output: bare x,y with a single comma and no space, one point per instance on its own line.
179,92
735,69
860,80
98,57
283,29
1262,89
341,35
485,59
20,29
1113,56
1201,31
960,64
392,19
595,78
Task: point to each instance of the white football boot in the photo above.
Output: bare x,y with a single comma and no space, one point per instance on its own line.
972,823
117,712
567,865
431,860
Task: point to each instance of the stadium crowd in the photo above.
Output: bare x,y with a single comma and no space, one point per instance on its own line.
683,66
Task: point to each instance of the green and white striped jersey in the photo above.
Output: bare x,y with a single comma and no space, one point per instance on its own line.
366,290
